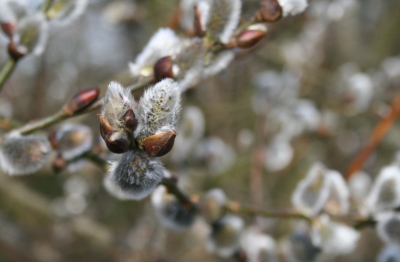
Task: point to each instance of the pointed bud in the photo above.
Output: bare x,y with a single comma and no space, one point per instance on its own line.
130,121
198,28
270,11
163,68
13,52
116,142
250,38
159,144
81,101
8,28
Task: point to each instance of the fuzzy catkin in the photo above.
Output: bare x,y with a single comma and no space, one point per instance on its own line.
159,109
22,155
137,174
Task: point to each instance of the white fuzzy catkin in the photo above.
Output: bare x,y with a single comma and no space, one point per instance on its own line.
221,18
136,174
312,192
338,200
22,155
113,189
159,109
224,239
334,238
388,227
73,140
292,7
163,43
212,204
385,192
116,102
171,212
258,246
31,34
64,12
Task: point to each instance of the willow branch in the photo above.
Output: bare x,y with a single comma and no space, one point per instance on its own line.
375,138
288,214
62,115
6,71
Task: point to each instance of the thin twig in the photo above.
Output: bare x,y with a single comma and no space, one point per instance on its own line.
375,138
6,71
174,189
289,214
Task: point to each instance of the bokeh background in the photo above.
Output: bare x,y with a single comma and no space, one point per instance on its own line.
312,57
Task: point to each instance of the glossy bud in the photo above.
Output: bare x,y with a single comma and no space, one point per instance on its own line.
130,121
250,38
116,142
270,11
8,28
159,144
81,100
163,68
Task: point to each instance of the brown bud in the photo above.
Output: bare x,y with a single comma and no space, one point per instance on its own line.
159,144
163,68
13,52
270,11
53,140
81,100
250,38
198,28
130,121
116,141
59,164
8,28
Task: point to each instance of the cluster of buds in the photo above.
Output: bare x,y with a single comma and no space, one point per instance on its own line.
141,132
216,35
27,28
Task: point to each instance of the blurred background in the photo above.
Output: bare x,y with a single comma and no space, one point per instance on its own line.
312,90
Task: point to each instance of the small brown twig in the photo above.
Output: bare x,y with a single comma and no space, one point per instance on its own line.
375,138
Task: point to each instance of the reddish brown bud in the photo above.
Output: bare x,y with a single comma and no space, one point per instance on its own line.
130,121
159,144
270,11
198,28
163,68
250,38
13,52
59,164
81,100
8,28
53,140
116,141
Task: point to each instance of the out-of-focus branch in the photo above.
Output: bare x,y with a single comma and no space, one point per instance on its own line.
6,71
375,138
288,214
